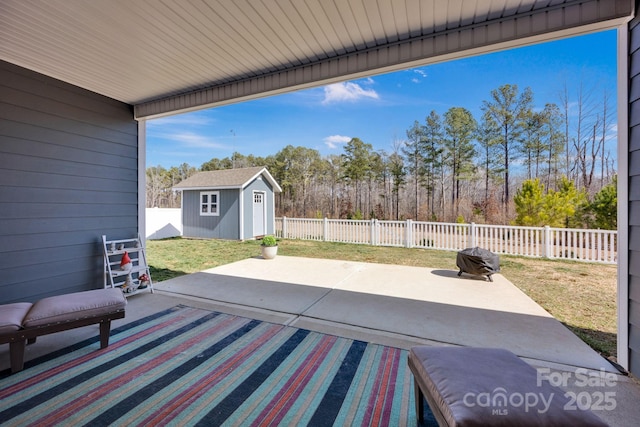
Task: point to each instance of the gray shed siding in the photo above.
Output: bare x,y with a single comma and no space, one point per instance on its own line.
258,184
224,226
634,197
68,174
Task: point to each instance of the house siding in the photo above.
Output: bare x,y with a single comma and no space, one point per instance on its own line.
224,226
68,174
634,197
257,185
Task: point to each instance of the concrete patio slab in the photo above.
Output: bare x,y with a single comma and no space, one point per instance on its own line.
323,273
420,304
262,294
625,393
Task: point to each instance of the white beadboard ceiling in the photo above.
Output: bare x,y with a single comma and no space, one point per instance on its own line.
164,56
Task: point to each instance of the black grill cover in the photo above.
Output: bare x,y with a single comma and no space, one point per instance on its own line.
478,261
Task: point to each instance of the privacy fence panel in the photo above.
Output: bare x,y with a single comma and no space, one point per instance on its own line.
547,242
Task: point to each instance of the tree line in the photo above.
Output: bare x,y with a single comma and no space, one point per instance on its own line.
449,167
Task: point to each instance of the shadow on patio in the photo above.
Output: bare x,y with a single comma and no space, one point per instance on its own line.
410,304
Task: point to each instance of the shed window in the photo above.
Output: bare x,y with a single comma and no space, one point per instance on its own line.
209,203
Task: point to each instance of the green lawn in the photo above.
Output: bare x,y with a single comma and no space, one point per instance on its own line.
580,295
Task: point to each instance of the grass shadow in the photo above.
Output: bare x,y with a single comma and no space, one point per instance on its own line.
604,343
161,274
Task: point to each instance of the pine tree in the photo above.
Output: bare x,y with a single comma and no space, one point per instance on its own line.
460,128
530,203
605,207
432,148
486,136
413,151
506,110
357,164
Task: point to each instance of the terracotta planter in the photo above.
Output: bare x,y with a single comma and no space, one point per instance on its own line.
269,252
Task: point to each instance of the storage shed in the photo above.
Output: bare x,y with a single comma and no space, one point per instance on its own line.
234,204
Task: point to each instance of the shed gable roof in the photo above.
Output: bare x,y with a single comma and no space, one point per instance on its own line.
226,178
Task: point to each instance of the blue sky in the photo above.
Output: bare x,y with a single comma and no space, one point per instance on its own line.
381,108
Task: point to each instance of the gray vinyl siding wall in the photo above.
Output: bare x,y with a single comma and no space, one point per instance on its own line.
634,197
224,226
68,174
257,185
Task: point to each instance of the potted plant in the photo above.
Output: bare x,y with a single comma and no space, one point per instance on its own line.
269,247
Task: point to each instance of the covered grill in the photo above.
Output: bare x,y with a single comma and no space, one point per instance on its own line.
478,261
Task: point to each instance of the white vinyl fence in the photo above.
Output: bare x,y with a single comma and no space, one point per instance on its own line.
163,223
559,243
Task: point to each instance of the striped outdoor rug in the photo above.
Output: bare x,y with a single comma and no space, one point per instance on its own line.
187,366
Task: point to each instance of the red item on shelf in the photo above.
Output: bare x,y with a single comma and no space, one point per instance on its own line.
125,259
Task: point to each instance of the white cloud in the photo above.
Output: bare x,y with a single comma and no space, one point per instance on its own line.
334,140
612,132
188,119
184,130
418,75
347,92
194,140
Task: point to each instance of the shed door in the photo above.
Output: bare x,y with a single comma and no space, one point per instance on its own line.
259,214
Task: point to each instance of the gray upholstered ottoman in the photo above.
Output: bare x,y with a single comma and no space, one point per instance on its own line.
23,322
488,387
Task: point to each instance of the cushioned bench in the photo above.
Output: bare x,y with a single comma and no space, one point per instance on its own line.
23,322
488,387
